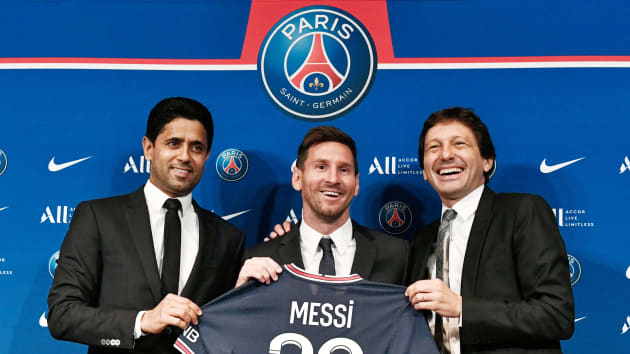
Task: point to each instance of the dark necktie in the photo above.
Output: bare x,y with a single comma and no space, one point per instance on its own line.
327,264
441,250
172,247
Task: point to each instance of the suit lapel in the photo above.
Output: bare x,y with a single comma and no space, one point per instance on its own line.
139,224
476,240
365,253
207,240
289,249
422,248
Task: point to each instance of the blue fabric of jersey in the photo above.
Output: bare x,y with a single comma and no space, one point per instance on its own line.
305,313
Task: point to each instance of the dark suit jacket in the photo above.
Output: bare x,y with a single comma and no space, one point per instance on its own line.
107,272
378,257
516,291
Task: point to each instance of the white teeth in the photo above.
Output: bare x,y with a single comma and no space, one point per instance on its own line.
332,194
450,170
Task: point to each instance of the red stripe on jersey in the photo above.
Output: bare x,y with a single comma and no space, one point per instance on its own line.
333,279
183,347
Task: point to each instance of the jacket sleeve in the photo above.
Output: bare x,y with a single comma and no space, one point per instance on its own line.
541,307
73,301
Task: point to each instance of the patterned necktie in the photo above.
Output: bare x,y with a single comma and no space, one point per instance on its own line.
441,250
172,247
327,264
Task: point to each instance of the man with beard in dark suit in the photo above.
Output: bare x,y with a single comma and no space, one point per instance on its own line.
327,241
495,270
134,269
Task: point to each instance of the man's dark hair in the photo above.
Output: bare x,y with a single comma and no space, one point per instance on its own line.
468,118
178,107
324,134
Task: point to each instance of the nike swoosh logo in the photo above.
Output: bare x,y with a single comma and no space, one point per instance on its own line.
544,168
580,319
232,216
1,209
53,167
43,322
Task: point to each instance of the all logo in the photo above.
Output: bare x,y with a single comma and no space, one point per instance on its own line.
292,217
575,270
60,214
572,218
392,165
395,217
317,63
232,165
625,166
52,264
143,166
3,162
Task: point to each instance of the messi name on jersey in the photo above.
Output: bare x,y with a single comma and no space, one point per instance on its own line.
306,313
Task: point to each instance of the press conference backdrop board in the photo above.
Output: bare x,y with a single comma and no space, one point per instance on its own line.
550,79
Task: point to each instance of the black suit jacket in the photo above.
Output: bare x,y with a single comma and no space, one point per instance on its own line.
516,291
107,272
378,257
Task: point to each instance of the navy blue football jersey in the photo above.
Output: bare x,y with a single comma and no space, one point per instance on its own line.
306,313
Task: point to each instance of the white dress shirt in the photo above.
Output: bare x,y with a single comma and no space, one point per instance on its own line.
344,247
155,199
459,234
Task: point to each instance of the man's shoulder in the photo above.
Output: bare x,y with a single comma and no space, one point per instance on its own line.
110,203
518,199
378,236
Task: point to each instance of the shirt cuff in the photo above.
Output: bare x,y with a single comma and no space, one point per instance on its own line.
460,319
137,328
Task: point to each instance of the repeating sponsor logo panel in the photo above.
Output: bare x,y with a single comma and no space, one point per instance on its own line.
395,165
573,217
625,165
137,165
232,165
56,167
4,270
57,214
395,217
52,264
545,167
575,270
3,162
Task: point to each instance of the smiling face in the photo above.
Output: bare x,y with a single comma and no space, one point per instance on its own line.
328,183
178,156
453,164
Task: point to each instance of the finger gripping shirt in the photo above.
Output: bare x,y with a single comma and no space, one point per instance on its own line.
306,314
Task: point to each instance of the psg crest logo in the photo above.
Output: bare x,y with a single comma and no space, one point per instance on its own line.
232,165
575,270
52,264
3,162
317,63
395,217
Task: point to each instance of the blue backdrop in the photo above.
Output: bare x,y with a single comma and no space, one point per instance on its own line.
551,81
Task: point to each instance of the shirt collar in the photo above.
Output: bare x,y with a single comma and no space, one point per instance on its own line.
341,237
467,206
156,198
